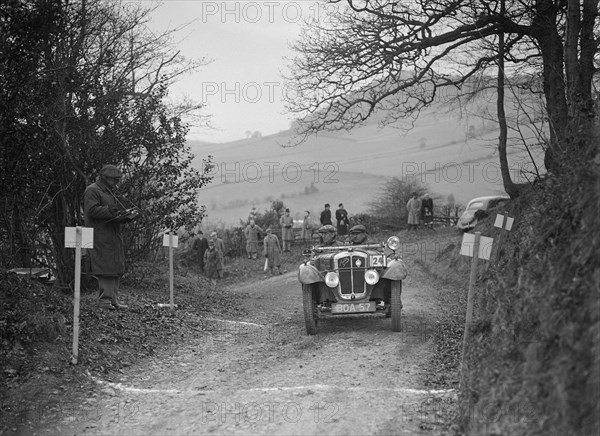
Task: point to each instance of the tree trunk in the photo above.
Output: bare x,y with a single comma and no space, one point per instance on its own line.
510,187
56,227
551,49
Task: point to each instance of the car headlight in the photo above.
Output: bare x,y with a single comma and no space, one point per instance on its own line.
332,279
371,276
393,243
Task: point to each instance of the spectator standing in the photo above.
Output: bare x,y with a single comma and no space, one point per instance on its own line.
272,251
213,261
219,244
427,211
107,257
201,245
252,233
414,211
287,233
341,216
306,229
326,216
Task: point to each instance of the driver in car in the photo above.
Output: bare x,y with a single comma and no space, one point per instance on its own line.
358,235
327,236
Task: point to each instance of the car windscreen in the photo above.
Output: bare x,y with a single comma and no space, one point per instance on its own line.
475,205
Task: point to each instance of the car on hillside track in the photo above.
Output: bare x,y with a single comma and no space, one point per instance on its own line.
352,279
478,208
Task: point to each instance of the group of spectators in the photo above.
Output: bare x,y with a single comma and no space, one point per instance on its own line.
105,213
420,210
272,250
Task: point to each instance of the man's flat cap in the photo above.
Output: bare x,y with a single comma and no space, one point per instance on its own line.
111,171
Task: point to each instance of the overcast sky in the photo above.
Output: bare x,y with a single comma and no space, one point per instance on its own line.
243,86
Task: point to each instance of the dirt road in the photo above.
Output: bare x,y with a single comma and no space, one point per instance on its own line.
264,375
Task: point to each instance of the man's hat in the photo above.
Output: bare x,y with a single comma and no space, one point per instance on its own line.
328,228
359,228
340,205
326,204
111,171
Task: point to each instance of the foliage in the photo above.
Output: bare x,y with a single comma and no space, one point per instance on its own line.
83,84
269,217
394,58
390,205
533,354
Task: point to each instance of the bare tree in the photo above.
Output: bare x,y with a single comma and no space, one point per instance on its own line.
395,58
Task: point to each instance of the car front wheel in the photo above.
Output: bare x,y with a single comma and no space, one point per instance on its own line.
309,301
396,305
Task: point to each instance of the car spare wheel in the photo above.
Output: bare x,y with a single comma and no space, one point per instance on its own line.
396,305
310,309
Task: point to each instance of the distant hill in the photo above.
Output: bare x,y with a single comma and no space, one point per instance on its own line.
449,155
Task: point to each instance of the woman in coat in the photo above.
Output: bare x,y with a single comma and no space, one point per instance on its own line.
213,263
272,251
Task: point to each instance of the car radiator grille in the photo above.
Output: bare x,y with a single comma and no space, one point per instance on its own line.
352,274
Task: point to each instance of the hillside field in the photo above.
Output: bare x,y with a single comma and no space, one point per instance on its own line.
446,154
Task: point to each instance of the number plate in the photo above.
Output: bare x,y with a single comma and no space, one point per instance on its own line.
341,308
377,260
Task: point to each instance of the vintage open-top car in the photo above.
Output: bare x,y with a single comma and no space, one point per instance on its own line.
352,279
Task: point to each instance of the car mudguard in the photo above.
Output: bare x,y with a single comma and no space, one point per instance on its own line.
396,270
308,274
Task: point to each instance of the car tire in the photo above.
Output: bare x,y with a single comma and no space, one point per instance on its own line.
396,305
310,308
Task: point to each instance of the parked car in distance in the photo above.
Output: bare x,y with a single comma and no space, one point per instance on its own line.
479,208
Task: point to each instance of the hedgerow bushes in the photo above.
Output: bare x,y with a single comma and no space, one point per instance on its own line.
534,358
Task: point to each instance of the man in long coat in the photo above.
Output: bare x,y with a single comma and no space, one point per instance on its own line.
287,234
107,258
427,211
252,232
414,211
200,245
306,229
272,251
